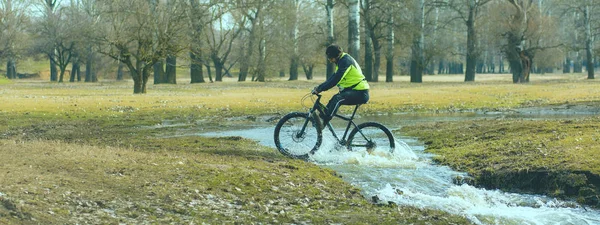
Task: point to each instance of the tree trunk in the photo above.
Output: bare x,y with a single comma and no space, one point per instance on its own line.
590,63
120,72
262,67
588,43
417,63
294,58
389,54
330,35
377,60
368,68
577,64
74,70
53,69
294,68
79,73
50,5
245,64
471,47
90,67
11,69
368,65
516,70
354,28
171,70
137,81
567,65
146,75
308,71
501,65
61,76
140,74
159,72
196,74
210,78
218,66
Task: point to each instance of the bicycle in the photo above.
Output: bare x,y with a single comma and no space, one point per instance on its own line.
298,135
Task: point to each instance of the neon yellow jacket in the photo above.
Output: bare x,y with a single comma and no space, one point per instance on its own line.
348,74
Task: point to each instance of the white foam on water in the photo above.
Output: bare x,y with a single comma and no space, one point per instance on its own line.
492,206
331,153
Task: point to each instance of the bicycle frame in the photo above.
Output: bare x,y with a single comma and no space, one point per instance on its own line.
296,138
316,107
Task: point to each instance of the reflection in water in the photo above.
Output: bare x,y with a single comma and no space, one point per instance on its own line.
407,177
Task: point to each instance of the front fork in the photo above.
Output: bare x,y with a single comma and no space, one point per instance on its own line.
301,133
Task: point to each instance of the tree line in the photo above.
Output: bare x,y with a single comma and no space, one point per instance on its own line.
262,39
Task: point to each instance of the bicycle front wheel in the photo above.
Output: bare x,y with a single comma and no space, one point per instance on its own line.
369,137
294,139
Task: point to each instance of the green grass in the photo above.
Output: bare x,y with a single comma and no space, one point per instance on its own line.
4,81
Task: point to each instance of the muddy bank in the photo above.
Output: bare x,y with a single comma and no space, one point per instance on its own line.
581,185
555,157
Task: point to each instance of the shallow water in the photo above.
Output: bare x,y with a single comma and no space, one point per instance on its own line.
408,177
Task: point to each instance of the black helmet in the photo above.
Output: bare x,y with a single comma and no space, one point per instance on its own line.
333,51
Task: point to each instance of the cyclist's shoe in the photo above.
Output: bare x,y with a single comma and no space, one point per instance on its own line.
325,120
317,121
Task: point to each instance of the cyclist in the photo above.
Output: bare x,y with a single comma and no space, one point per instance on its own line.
348,77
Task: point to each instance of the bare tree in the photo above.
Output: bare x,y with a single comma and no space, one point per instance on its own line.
377,15
468,12
220,37
48,31
586,24
523,30
516,38
136,36
253,11
59,36
13,38
165,71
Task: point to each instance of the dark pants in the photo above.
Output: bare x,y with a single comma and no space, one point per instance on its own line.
348,97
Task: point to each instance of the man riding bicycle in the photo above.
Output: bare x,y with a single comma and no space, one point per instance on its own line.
348,77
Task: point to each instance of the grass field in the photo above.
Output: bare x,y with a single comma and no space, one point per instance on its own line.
96,153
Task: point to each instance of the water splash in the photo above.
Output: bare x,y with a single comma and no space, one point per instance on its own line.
332,153
492,206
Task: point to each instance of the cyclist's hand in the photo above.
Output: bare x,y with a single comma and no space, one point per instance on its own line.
314,91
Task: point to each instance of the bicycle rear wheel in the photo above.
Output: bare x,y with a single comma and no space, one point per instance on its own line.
291,141
371,136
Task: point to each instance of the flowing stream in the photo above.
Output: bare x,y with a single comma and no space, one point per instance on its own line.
408,177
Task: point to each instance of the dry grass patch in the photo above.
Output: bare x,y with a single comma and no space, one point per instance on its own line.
252,98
